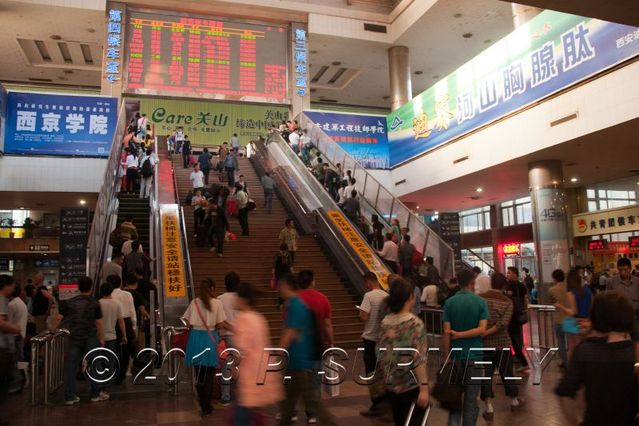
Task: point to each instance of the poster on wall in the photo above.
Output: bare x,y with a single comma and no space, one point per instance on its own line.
207,57
74,231
361,136
211,123
551,52
67,125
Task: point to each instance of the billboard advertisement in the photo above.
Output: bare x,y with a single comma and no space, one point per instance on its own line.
361,136
53,124
551,52
211,123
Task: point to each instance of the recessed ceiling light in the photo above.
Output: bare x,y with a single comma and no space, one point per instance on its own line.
336,63
467,35
417,207
56,37
457,15
479,190
419,72
435,213
573,180
82,202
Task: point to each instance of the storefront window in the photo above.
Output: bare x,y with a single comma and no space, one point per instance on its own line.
516,212
474,220
609,199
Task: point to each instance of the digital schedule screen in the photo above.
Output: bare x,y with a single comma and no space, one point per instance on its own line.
206,57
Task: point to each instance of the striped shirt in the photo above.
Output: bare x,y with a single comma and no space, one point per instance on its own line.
500,309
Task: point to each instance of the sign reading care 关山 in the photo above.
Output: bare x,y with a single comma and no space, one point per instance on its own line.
549,53
174,283
69,125
611,221
211,123
363,137
360,247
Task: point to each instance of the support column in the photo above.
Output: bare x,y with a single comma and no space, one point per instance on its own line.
550,227
523,13
401,89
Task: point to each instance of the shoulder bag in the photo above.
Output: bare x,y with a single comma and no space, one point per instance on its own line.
220,346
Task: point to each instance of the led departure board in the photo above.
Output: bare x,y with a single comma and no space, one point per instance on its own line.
206,57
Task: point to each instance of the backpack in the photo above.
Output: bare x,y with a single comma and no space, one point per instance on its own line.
147,168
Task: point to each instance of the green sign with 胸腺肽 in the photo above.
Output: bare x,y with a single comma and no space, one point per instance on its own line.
211,123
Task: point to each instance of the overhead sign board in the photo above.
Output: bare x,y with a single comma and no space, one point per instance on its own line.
67,125
172,260
611,221
549,53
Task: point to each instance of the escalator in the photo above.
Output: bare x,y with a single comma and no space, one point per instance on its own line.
376,199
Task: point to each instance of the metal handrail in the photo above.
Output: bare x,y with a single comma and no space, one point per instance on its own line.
187,255
54,345
447,262
480,258
167,336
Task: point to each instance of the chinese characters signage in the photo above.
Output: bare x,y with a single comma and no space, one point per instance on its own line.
114,46
363,137
511,249
549,53
301,62
207,123
43,124
174,284
209,57
74,231
360,247
611,221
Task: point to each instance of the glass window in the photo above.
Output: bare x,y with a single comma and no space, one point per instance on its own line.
590,193
517,212
592,206
475,219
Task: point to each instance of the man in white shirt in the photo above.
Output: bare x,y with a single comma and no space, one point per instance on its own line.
372,312
294,141
131,171
179,139
228,299
197,178
242,213
390,253
482,281
305,141
146,173
18,314
128,342
235,144
142,123
429,295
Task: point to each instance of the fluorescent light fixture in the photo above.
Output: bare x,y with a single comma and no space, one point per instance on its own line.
479,189
573,180
82,202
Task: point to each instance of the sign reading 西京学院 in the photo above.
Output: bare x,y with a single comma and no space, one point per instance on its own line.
360,247
549,53
363,137
211,123
68,125
611,221
174,284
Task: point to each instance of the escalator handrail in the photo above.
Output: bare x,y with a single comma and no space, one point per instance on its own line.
395,201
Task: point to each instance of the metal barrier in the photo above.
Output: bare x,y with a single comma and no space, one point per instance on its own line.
173,362
541,318
53,345
433,322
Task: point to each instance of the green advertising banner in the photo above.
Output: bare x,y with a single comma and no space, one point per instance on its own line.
549,53
211,123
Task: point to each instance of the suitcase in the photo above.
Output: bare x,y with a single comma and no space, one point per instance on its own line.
410,415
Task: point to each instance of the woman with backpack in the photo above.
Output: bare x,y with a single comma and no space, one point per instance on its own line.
147,165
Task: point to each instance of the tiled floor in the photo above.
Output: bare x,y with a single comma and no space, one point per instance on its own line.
155,406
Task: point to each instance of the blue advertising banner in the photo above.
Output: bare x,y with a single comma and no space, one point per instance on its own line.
361,136
68,125
549,53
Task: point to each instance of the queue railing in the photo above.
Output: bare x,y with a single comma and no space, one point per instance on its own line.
541,319
48,350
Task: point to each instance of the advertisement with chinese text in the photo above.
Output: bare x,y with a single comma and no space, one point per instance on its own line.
211,123
361,136
68,125
549,53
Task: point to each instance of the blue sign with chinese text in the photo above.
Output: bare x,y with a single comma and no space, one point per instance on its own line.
47,124
551,52
363,137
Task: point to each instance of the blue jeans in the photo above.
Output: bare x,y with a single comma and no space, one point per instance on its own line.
306,151
76,349
470,408
268,200
561,344
230,175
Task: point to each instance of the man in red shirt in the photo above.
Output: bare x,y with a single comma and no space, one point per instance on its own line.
320,306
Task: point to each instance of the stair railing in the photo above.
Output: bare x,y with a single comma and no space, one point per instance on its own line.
105,213
386,205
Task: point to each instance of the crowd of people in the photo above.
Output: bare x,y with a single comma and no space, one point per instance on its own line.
138,158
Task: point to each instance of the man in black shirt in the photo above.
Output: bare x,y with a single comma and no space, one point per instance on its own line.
519,295
139,302
83,318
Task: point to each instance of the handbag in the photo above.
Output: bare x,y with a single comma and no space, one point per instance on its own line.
220,345
180,340
251,205
449,387
570,326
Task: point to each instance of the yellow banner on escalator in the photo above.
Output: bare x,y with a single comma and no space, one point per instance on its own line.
360,247
173,266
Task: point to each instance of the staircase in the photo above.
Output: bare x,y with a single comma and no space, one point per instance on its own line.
252,258
133,205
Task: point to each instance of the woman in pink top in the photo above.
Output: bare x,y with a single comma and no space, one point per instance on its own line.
251,336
